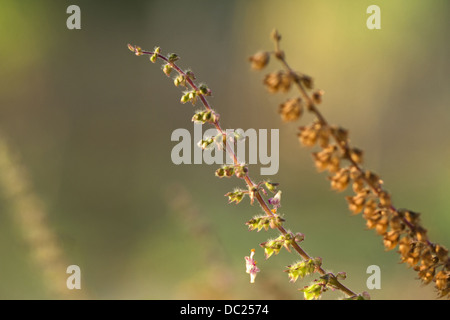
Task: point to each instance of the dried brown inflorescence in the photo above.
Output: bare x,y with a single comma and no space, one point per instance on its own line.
399,227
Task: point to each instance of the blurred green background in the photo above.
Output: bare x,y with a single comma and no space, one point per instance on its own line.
89,124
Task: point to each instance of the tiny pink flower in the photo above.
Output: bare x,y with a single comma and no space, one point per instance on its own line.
276,200
251,267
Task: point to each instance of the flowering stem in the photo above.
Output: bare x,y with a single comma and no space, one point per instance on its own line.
254,188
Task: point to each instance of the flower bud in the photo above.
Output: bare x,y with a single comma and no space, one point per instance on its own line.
137,51
167,69
341,275
271,186
190,74
241,171
313,291
204,90
317,96
235,196
206,143
184,98
172,57
275,35
220,172
276,200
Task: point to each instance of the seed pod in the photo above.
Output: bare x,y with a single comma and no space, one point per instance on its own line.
291,110
356,155
259,60
390,240
340,180
307,81
272,82
317,96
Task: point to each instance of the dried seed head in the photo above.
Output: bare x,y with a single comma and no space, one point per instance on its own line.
358,185
327,159
259,60
385,199
334,163
421,233
291,110
382,225
356,155
411,216
276,81
413,255
404,247
307,81
396,224
426,274
441,252
390,240
317,96
308,135
272,82
355,173
286,81
340,134
356,203
340,180
323,137
442,283
357,177
372,179
369,208
427,257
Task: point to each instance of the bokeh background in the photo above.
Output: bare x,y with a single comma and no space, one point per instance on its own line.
85,128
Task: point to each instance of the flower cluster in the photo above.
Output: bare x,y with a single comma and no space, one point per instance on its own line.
255,191
264,222
203,116
228,171
302,268
399,227
326,282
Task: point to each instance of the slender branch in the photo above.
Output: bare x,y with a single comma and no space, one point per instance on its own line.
251,185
